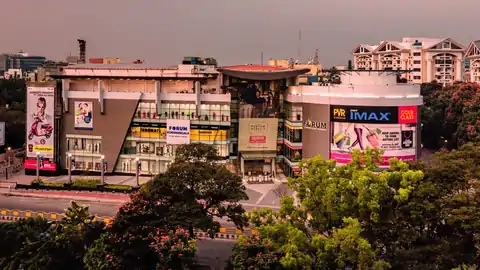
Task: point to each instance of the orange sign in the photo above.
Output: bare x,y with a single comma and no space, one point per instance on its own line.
407,114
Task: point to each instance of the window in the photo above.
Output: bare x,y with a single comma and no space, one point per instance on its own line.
293,135
417,77
416,70
416,62
147,112
294,155
417,54
86,151
293,112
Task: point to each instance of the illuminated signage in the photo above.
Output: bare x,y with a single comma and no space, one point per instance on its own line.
257,134
364,114
309,124
407,114
370,116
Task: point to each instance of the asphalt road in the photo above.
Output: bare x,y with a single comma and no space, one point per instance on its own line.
103,209
214,253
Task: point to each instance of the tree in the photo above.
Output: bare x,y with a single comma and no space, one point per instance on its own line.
61,245
323,231
257,252
191,195
333,76
14,235
406,217
12,110
451,115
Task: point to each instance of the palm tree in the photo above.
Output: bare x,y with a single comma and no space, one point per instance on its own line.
334,76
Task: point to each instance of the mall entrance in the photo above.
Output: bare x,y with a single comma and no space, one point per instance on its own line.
258,167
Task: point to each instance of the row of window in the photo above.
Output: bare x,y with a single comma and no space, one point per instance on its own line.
208,112
160,149
84,145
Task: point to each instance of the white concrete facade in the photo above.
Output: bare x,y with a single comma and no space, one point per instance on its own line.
473,54
359,88
427,59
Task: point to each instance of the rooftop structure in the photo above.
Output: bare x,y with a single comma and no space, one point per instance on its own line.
473,56
429,59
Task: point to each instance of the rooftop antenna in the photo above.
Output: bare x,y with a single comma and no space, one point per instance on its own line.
299,49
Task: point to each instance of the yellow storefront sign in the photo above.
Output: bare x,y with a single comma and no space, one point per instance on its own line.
43,149
149,132
208,135
195,134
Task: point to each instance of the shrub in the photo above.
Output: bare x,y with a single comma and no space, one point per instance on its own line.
87,183
119,187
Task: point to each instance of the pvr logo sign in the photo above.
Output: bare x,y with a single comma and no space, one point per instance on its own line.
407,115
339,114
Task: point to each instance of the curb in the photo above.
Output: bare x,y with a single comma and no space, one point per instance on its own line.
231,233
74,198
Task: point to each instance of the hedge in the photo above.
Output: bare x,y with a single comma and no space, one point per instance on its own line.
82,184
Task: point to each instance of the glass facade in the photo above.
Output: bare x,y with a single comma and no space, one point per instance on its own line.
293,135
148,142
86,152
208,113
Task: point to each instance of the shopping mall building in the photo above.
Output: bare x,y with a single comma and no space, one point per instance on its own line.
258,118
117,113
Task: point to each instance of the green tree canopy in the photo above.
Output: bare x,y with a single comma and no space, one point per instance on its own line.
451,115
191,195
60,245
418,216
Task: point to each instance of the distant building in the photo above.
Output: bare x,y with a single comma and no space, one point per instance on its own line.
428,59
104,60
13,73
26,63
311,76
48,69
473,56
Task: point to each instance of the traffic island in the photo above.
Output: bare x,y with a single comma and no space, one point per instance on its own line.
92,185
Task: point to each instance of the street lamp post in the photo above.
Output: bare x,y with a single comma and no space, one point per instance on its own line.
69,168
38,166
9,158
137,175
102,169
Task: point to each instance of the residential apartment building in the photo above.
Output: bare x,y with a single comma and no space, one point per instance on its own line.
472,55
427,59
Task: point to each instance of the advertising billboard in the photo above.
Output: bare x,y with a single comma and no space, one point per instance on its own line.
45,165
2,133
83,115
257,134
392,129
178,131
374,115
40,121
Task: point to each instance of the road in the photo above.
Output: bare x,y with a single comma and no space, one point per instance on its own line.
103,209
214,253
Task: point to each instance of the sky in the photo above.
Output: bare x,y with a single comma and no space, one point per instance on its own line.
162,32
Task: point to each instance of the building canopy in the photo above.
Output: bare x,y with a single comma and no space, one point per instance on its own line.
261,73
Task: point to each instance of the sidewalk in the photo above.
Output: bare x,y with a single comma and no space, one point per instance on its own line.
71,195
